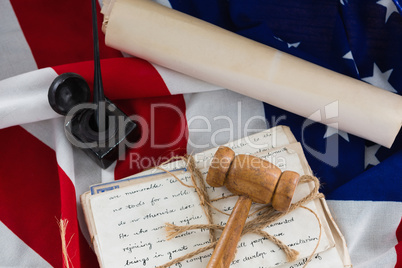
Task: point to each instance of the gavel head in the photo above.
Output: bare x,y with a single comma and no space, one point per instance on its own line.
250,176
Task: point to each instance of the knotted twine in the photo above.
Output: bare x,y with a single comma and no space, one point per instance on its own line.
265,215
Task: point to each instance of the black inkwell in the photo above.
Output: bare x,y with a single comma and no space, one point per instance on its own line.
99,128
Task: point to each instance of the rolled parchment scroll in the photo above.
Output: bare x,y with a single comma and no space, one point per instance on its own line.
199,49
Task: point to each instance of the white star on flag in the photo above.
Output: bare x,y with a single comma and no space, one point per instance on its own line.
390,6
380,79
293,44
369,155
349,56
289,44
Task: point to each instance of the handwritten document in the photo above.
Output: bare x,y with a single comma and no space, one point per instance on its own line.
263,141
128,223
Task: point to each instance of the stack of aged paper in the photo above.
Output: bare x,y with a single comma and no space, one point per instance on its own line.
127,218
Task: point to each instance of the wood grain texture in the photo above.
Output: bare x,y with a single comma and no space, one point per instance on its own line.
285,190
253,177
220,165
254,180
226,248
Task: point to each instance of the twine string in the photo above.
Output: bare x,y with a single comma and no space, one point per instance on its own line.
264,216
64,244
201,189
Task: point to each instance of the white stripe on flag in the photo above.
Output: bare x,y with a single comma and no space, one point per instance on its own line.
82,171
179,83
15,253
23,98
16,56
218,117
369,229
107,175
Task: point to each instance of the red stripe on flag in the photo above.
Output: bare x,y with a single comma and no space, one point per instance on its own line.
398,247
59,32
78,250
123,78
30,192
34,194
165,133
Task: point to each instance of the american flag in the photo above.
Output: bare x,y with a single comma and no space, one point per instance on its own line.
42,175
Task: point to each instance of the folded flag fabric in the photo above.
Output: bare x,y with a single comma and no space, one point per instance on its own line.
42,175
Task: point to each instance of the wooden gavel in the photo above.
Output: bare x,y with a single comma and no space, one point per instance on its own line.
254,180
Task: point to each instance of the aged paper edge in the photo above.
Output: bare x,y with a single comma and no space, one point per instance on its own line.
329,226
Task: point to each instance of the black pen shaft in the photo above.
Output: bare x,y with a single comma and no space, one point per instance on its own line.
99,97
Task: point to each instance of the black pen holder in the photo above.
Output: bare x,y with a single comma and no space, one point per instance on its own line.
106,146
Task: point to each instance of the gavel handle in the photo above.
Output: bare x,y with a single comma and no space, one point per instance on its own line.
226,248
